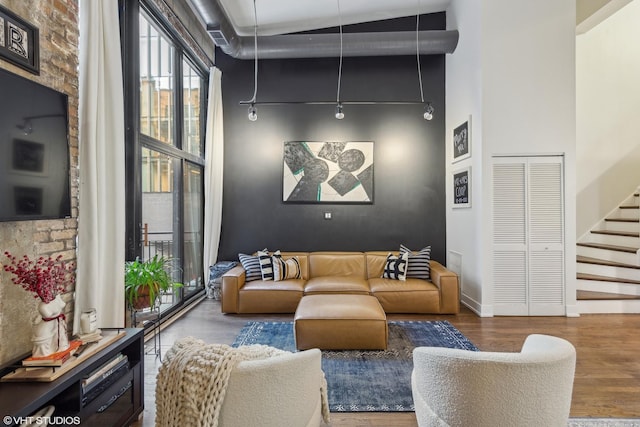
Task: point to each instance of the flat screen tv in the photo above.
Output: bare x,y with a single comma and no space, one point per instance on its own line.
34,147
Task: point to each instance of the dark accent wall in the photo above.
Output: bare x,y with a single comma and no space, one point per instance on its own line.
409,153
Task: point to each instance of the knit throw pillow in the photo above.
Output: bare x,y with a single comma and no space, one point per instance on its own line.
395,267
419,262
284,269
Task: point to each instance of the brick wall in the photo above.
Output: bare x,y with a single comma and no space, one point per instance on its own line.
57,21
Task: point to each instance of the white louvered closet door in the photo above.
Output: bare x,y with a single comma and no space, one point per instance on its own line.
528,236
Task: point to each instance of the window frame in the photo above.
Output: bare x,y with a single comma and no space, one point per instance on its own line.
135,141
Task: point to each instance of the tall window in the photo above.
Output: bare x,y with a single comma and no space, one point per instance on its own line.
156,83
191,134
165,155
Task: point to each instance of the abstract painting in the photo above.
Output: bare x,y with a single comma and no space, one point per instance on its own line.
327,172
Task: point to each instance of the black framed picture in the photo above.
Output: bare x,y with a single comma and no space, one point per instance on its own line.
462,141
19,41
462,188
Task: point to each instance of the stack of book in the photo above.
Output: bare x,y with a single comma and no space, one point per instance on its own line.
53,360
98,380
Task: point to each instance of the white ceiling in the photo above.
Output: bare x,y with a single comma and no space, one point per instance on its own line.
287,16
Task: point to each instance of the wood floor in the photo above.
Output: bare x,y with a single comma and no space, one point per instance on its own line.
607,379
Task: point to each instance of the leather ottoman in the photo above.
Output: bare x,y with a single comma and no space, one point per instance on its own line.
340,322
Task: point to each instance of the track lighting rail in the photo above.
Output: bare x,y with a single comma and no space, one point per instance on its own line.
332,103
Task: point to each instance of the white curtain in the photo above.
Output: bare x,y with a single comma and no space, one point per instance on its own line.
213,170
101,221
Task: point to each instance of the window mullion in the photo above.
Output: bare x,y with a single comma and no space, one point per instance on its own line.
178,100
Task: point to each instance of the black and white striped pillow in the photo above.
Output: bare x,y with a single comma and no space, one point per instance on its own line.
396,267
251,265
266,264
419,263
284,269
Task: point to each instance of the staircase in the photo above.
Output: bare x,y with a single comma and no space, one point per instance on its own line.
608,263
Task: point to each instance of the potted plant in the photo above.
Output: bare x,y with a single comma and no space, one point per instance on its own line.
144,280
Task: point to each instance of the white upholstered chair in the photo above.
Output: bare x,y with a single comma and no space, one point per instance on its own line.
460,388
275,392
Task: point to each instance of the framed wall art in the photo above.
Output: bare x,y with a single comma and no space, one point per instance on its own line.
19,41
327,172
462,141
462,188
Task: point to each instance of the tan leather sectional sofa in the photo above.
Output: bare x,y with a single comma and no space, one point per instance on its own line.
342,273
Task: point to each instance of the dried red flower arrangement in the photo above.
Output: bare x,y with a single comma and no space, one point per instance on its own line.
45,277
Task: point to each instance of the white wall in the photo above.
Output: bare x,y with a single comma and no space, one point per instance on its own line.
608,104
464,99
514,70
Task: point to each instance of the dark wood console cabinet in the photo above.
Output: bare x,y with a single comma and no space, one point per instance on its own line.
119,404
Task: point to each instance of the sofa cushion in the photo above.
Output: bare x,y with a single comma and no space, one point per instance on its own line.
336,285
377,285
419,262
337,264
411,296
267,296
396,267
251,265
269,285
284,269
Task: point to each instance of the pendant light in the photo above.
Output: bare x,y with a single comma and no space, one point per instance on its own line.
252,113
428,108
339,110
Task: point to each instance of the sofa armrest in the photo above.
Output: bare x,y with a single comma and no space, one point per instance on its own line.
447,281
232,281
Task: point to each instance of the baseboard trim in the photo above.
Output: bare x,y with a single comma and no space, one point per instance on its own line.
476,307
608,307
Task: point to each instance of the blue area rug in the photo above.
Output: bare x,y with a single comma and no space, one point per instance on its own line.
366,381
